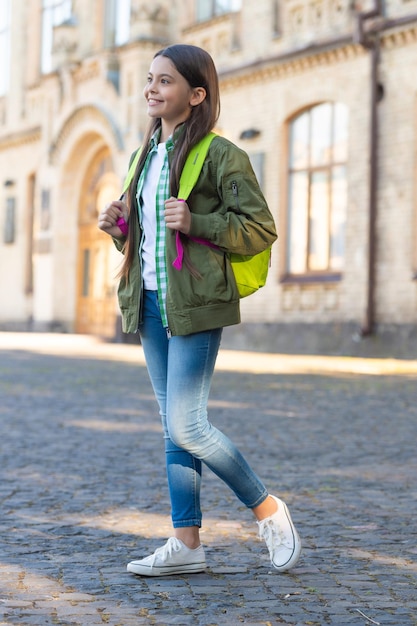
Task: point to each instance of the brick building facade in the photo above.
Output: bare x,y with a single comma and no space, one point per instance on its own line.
320,93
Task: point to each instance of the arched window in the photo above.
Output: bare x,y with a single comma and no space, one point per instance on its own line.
317,191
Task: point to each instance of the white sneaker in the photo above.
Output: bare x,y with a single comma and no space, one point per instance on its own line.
281,538
172,558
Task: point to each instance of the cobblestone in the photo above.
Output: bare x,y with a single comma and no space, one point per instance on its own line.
83,489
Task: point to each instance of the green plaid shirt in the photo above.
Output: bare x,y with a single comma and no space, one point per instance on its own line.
162,194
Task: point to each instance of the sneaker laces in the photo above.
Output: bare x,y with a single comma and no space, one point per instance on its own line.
166,551
271,533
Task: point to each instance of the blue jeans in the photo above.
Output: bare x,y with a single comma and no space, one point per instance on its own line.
181,369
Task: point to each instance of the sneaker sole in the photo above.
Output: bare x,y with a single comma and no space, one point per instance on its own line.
144,570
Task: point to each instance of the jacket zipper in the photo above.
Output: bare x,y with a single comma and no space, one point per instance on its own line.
235,194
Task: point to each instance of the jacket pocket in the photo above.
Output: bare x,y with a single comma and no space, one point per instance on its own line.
217,282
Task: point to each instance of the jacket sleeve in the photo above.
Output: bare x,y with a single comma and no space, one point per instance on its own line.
241,222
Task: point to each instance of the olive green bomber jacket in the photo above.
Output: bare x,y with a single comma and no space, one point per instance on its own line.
227,208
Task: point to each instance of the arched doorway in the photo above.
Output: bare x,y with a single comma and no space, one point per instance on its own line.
98,260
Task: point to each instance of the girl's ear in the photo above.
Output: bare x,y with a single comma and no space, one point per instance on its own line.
199,94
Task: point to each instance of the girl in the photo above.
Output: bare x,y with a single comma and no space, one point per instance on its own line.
180,313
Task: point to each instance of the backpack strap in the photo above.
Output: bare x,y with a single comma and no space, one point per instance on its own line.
131,172
193,166
188,179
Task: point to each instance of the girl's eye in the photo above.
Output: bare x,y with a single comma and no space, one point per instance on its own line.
165,81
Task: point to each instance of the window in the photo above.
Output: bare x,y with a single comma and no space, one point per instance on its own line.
317,195
117,22
206,9
10,221
5,7
54,13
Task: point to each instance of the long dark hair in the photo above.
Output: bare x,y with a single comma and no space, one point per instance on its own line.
198,69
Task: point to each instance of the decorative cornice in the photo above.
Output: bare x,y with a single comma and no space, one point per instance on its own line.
146,13
86,112
399,38
294,62
87,71
28,136
392,34
201,27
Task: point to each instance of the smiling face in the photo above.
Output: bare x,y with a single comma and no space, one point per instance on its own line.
169,96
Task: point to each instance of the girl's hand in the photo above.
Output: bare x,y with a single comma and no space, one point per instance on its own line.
177,215
107,220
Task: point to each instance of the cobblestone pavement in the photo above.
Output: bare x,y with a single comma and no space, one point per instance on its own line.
83,490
